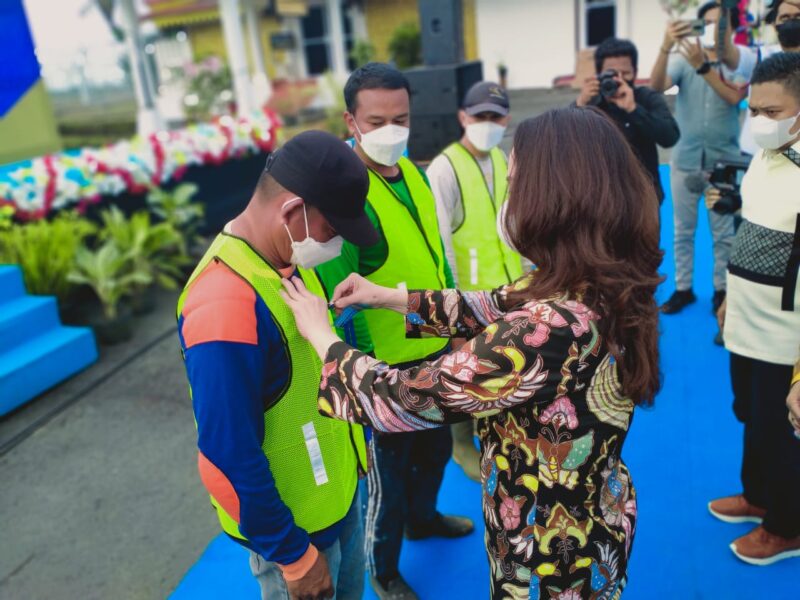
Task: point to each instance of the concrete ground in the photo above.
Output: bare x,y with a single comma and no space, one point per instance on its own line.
100,496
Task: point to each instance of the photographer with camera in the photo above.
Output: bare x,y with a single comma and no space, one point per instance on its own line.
708,116
761,320
641,113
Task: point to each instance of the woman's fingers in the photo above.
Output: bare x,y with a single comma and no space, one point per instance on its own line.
343,294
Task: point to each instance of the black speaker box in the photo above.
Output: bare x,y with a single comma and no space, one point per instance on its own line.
436,96
439,90
442,31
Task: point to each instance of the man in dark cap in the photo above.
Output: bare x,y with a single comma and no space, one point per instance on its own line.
282,478
469,182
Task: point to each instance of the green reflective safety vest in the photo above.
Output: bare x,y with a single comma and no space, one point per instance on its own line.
314,460
483,260
415,261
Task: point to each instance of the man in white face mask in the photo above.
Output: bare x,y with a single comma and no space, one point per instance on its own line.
469,181
761,319
409,466
283,479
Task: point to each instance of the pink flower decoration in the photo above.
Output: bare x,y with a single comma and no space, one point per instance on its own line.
539,336
560,412
509,513
461,365
544,313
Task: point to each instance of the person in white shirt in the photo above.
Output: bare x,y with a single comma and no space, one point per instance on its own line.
469,182
784,16
761,320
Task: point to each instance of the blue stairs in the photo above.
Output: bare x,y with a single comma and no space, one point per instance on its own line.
36,351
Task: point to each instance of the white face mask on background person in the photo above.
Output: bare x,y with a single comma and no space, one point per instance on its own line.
310,253
709,37
485,135
771,134
386,144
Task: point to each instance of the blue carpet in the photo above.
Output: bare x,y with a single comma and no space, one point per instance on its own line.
682,453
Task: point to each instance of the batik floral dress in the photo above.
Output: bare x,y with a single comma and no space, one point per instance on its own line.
558,502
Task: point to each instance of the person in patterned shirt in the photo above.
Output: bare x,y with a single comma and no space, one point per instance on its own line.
554,365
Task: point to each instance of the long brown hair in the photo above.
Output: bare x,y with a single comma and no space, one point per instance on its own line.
584,211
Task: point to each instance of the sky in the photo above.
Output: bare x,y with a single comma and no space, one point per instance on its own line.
70,33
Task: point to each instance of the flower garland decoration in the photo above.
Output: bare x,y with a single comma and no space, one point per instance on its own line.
79,178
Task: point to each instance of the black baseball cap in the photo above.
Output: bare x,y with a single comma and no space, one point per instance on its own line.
486,96
326,173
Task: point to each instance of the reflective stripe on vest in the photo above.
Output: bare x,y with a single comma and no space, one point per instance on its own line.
314,460
483,261
415,261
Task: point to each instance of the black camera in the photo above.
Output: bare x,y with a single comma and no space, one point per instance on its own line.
608,83
727,178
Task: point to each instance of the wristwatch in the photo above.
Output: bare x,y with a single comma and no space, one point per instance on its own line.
704,68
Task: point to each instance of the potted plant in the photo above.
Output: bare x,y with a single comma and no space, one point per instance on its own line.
112,275
157,250
45,252
362,53
177,208
405,46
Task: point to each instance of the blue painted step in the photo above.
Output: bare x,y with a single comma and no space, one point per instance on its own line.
11,285
26,317
41,362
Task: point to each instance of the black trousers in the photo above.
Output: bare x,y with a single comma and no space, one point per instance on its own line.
403,484
771,461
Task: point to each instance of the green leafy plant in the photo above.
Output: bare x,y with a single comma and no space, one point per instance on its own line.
111,274
6,217
176,208
405,46
362,53
158,250
334,123
45,251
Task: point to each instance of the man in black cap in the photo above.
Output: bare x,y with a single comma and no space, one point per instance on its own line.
282,478
469,182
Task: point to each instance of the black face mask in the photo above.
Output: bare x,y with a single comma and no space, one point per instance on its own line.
789,34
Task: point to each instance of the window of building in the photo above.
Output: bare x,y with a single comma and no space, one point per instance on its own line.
600,18
316,39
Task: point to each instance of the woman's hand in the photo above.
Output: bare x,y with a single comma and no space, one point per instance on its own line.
310,314
357,290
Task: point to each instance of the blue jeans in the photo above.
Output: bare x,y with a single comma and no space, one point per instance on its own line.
404,481
345,560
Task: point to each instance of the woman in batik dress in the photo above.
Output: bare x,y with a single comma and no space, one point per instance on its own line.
553,368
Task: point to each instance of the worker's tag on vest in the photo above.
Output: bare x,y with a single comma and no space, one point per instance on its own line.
315,454
473,266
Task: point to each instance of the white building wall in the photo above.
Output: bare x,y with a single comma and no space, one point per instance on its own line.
648,23
535,39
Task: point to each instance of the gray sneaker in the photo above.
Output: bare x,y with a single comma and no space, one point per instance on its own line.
396,589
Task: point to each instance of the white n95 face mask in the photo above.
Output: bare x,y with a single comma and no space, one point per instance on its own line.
485,135
709,37
310,253
771,134
385,145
